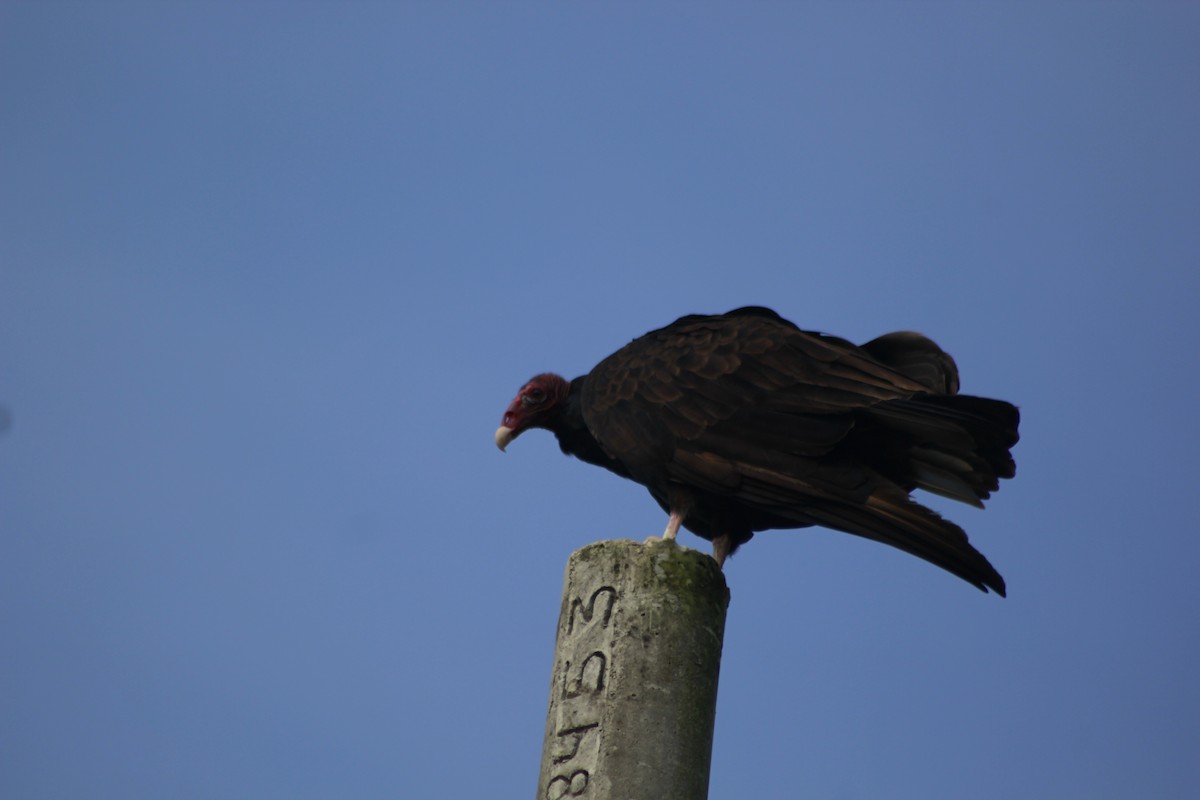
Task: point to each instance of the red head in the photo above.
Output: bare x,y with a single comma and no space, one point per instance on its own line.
535,406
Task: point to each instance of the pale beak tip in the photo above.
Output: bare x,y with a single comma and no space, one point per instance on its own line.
504,435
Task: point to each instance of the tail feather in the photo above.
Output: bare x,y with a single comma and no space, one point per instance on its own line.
942,474
892,518
957,446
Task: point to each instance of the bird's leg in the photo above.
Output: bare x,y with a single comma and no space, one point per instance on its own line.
678,504
673,523
721,549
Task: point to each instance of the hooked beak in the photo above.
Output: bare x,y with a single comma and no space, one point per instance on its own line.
504,435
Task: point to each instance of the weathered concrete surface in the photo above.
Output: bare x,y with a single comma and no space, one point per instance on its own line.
634,691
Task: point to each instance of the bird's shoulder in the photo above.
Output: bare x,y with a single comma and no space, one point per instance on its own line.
731,360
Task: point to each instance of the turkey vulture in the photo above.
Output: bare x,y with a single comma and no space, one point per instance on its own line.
742,422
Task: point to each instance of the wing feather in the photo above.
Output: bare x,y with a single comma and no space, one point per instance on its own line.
701,371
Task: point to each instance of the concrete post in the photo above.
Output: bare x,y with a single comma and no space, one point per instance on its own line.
634,691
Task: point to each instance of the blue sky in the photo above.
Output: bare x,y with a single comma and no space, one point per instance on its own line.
270,274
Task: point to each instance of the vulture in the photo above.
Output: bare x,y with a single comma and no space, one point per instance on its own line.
742,422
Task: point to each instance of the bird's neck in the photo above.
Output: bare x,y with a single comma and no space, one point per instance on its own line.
575,439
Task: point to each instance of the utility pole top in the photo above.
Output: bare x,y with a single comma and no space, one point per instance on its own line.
634,689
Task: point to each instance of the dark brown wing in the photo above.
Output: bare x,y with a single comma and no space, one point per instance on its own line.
760,424
786,390
918,358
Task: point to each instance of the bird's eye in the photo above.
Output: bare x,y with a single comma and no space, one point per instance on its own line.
533,397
